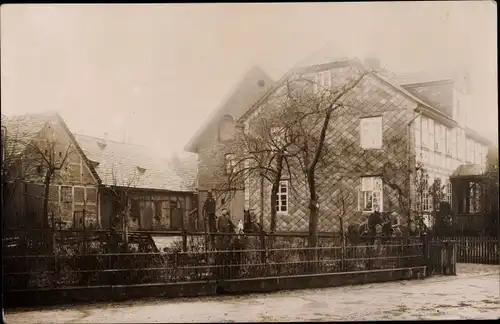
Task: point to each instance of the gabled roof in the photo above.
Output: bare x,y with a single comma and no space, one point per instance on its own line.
238,100
23,128
127,165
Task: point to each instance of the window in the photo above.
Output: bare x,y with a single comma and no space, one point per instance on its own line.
371,132
431,134
477,154
469,150
322,81
448,192
229,162
226,128
371,194
66,194
453,143
418,133
449,143
91,195
282,197
425,132
79,195
474,197
460,145
439,139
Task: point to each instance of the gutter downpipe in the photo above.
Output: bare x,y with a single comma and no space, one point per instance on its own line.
408,125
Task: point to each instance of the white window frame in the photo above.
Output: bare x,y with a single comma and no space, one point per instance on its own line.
371,132
280,195
370,188
448,193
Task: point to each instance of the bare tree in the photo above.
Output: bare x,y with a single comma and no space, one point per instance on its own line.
262,152
121,190
37,155
312,114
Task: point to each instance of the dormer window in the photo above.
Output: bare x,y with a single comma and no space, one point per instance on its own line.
94,164
226,128
141,170
102,145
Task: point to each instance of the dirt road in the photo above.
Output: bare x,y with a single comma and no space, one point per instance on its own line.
470,295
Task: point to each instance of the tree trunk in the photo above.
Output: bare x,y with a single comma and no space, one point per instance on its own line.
274,190
46,183
313,209
274,194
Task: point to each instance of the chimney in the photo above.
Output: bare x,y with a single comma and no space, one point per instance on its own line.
105,138
372,63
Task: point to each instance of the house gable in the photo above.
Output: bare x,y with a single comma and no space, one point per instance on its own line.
253,85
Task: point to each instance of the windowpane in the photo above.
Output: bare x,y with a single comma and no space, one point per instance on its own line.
66,194
91,195
79,195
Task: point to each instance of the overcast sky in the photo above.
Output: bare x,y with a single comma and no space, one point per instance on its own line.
158,71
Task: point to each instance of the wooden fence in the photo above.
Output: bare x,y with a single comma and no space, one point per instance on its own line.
481,250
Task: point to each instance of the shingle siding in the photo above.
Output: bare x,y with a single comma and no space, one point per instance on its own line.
371,98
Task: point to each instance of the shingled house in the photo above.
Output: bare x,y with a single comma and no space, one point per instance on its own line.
404,120
94,173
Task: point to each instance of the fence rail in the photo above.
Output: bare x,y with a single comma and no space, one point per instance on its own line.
481,250
48,271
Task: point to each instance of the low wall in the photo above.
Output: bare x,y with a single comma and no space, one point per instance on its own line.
320,280
71,295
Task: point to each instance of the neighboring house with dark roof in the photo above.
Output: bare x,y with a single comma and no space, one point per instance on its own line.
34,142
210,140
437,137
161,198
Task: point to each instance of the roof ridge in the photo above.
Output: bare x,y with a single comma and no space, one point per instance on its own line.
109,140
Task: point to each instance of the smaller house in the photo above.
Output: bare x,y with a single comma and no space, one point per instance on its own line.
37,147
160,197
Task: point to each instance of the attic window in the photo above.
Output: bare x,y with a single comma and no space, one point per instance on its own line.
141,170
101,145
226,128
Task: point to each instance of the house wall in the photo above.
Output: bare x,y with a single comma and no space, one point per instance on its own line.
72,189
342,176
217,141
152,210
441,158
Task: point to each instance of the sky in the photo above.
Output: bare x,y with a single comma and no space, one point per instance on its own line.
156,72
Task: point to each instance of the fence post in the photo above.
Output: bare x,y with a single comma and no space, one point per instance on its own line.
425,246
184,241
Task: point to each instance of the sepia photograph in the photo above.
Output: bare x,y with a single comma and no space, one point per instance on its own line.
249,162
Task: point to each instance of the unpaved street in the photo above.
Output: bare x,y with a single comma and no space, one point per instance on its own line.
473,294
